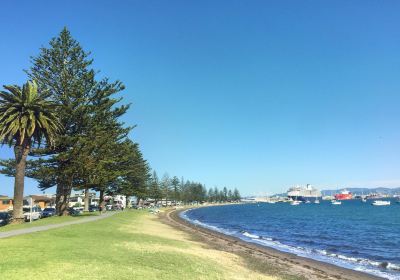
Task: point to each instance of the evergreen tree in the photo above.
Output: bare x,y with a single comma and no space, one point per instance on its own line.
154,188
175,189
210,195
64,70
123,171
230,195
225,194
165,187
236,195
221,196
216,195
138,174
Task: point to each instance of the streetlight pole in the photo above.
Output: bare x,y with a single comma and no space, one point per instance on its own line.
30,208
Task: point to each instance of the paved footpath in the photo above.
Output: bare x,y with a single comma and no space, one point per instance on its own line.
47,227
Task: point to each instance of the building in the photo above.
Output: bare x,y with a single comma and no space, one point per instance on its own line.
43,201
6,203
118,201
78,199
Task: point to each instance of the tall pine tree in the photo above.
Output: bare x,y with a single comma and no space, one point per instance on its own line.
64,70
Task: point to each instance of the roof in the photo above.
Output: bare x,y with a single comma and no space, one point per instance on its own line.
41,198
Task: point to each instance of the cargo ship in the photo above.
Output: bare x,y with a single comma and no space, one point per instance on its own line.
307,193
344,195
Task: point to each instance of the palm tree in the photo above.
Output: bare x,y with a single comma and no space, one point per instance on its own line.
26,118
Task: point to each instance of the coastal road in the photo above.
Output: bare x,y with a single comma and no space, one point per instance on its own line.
47,227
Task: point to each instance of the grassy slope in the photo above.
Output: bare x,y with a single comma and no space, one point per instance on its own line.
45,221
129,245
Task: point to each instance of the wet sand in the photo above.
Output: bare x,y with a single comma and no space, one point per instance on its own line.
264,259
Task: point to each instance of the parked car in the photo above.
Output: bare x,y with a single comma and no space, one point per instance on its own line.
117,207
93,208
5,218
79,209
73,212
36,213
109,207
48,212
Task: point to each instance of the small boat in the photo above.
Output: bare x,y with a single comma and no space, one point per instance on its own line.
307,202
381,203
316,201
295,202
336,202
363,197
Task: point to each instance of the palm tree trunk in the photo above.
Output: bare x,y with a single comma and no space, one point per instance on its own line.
21,153
86,200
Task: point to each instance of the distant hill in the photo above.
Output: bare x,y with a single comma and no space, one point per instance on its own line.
360,191
357,191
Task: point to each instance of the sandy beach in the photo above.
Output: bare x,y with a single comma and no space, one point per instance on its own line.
263,259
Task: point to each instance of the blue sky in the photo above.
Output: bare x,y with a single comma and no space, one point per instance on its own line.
258,95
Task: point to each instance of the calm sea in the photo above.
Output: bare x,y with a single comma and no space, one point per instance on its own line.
354,235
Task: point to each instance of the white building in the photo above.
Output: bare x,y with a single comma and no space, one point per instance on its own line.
78,199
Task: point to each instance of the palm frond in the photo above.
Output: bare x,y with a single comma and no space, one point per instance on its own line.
27,116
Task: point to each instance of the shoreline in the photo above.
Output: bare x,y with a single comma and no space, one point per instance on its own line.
264,258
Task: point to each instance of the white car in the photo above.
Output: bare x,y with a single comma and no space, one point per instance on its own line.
36,213
109,207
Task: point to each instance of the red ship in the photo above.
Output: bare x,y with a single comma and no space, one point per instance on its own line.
343,195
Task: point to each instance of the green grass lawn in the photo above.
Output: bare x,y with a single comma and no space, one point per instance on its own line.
46,221
128,245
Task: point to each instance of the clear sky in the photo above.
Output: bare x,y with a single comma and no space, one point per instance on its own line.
258,95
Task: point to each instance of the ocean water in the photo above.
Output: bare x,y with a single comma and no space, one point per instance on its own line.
353,235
